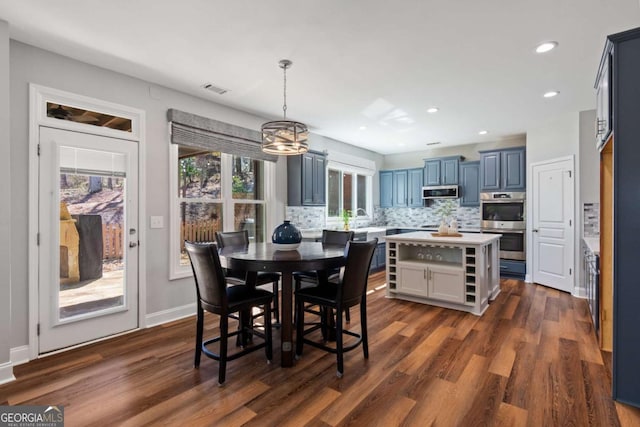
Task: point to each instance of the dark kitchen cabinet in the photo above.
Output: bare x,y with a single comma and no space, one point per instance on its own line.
503,170
620,210
441,171
306,177
414,187
470,183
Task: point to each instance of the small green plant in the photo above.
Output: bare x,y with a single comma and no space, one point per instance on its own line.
346,217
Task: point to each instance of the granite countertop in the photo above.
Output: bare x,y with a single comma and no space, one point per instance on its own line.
593,243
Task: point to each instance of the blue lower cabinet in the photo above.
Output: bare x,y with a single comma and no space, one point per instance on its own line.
512,268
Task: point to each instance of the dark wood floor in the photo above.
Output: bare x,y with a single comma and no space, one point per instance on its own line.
531,359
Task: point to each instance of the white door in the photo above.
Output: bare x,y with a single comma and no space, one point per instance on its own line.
88,221
553,224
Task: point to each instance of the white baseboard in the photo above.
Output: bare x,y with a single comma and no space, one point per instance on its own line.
164,316
19,355
579,292
6,373
528,279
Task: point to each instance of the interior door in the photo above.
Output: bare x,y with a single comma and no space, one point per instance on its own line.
88,221
553,230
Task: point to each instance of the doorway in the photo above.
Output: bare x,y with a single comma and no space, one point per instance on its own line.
553,208
88,237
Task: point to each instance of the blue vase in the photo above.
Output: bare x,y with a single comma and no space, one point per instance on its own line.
286,234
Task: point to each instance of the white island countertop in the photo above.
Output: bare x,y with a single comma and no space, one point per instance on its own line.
427,237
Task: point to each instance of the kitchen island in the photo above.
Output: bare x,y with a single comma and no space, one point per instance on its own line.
461,273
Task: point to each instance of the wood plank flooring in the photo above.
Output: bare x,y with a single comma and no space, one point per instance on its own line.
531,360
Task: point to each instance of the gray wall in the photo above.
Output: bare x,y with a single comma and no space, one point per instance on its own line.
469,151
5,208
589,159
32,65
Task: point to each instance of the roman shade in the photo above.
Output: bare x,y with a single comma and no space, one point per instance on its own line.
213,135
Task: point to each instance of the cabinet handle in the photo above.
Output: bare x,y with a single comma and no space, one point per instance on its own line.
424,274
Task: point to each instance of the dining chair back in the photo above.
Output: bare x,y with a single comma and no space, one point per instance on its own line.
349,291
216,297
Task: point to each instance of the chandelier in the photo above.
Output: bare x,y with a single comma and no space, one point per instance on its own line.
285,137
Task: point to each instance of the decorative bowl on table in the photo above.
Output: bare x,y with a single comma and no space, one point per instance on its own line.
286,237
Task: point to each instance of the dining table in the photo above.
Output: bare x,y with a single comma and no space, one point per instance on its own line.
267,257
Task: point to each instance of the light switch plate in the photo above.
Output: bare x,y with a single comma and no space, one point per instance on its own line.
156,222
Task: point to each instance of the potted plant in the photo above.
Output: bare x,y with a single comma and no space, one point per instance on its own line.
445,210
346,217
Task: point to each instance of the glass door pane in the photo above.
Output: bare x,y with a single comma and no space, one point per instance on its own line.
92,243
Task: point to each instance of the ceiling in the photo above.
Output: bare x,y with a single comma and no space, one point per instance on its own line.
364,71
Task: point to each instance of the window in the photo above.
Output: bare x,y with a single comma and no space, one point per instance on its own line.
216,192
350,190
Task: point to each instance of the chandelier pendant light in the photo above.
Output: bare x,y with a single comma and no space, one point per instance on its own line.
285,137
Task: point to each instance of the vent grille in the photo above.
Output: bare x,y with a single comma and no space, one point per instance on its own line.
215,89
433,143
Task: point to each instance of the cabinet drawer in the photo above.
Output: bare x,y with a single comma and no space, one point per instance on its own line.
512,268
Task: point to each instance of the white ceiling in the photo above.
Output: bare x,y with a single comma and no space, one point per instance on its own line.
373,63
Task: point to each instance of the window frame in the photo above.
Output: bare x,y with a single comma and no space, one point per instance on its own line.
177,271
336,221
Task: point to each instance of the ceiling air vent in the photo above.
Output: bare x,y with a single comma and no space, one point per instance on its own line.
433,143
215,89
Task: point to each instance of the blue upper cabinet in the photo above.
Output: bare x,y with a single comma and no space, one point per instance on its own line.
441,171
470,183
415,187
432,172
503,170
400,183
386,189
306,179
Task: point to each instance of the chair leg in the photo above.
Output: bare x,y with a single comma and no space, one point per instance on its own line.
267,332
347,316
363,326
224,334
276,300
299,326
339,342
199,332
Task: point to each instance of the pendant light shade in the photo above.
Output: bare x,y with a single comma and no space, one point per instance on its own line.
285,137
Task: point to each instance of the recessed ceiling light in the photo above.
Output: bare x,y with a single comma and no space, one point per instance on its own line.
363,128
551,94
433,110
483,132
546,47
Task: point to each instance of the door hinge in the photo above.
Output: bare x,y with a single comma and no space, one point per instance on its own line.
569,223
38,329
38,239
570,272
38,149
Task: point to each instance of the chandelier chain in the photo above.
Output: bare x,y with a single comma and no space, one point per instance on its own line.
284,106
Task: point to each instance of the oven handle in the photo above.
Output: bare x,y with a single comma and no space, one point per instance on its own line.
490,201
495,230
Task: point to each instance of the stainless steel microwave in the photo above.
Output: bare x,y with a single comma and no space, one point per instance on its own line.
440,192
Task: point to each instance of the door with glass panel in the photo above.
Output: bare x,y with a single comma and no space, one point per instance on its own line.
88,237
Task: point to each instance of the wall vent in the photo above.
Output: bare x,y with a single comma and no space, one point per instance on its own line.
433,143
215,89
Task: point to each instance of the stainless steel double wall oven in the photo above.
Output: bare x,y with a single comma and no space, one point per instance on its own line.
504,213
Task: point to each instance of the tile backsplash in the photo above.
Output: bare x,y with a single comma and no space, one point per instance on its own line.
306,217
591,219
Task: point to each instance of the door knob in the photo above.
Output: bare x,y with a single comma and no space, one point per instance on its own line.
535,230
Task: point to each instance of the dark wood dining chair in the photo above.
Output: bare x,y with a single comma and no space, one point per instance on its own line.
310,278
349,291
241,239
216,297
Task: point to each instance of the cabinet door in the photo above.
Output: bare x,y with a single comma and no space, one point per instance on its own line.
307,178
490,171
470,183
319,176
415,187
432,172
381,255
386,189
446,283
449,172
400,181
412,280
513,170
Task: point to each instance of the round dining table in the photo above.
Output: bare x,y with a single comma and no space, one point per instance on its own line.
257,257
